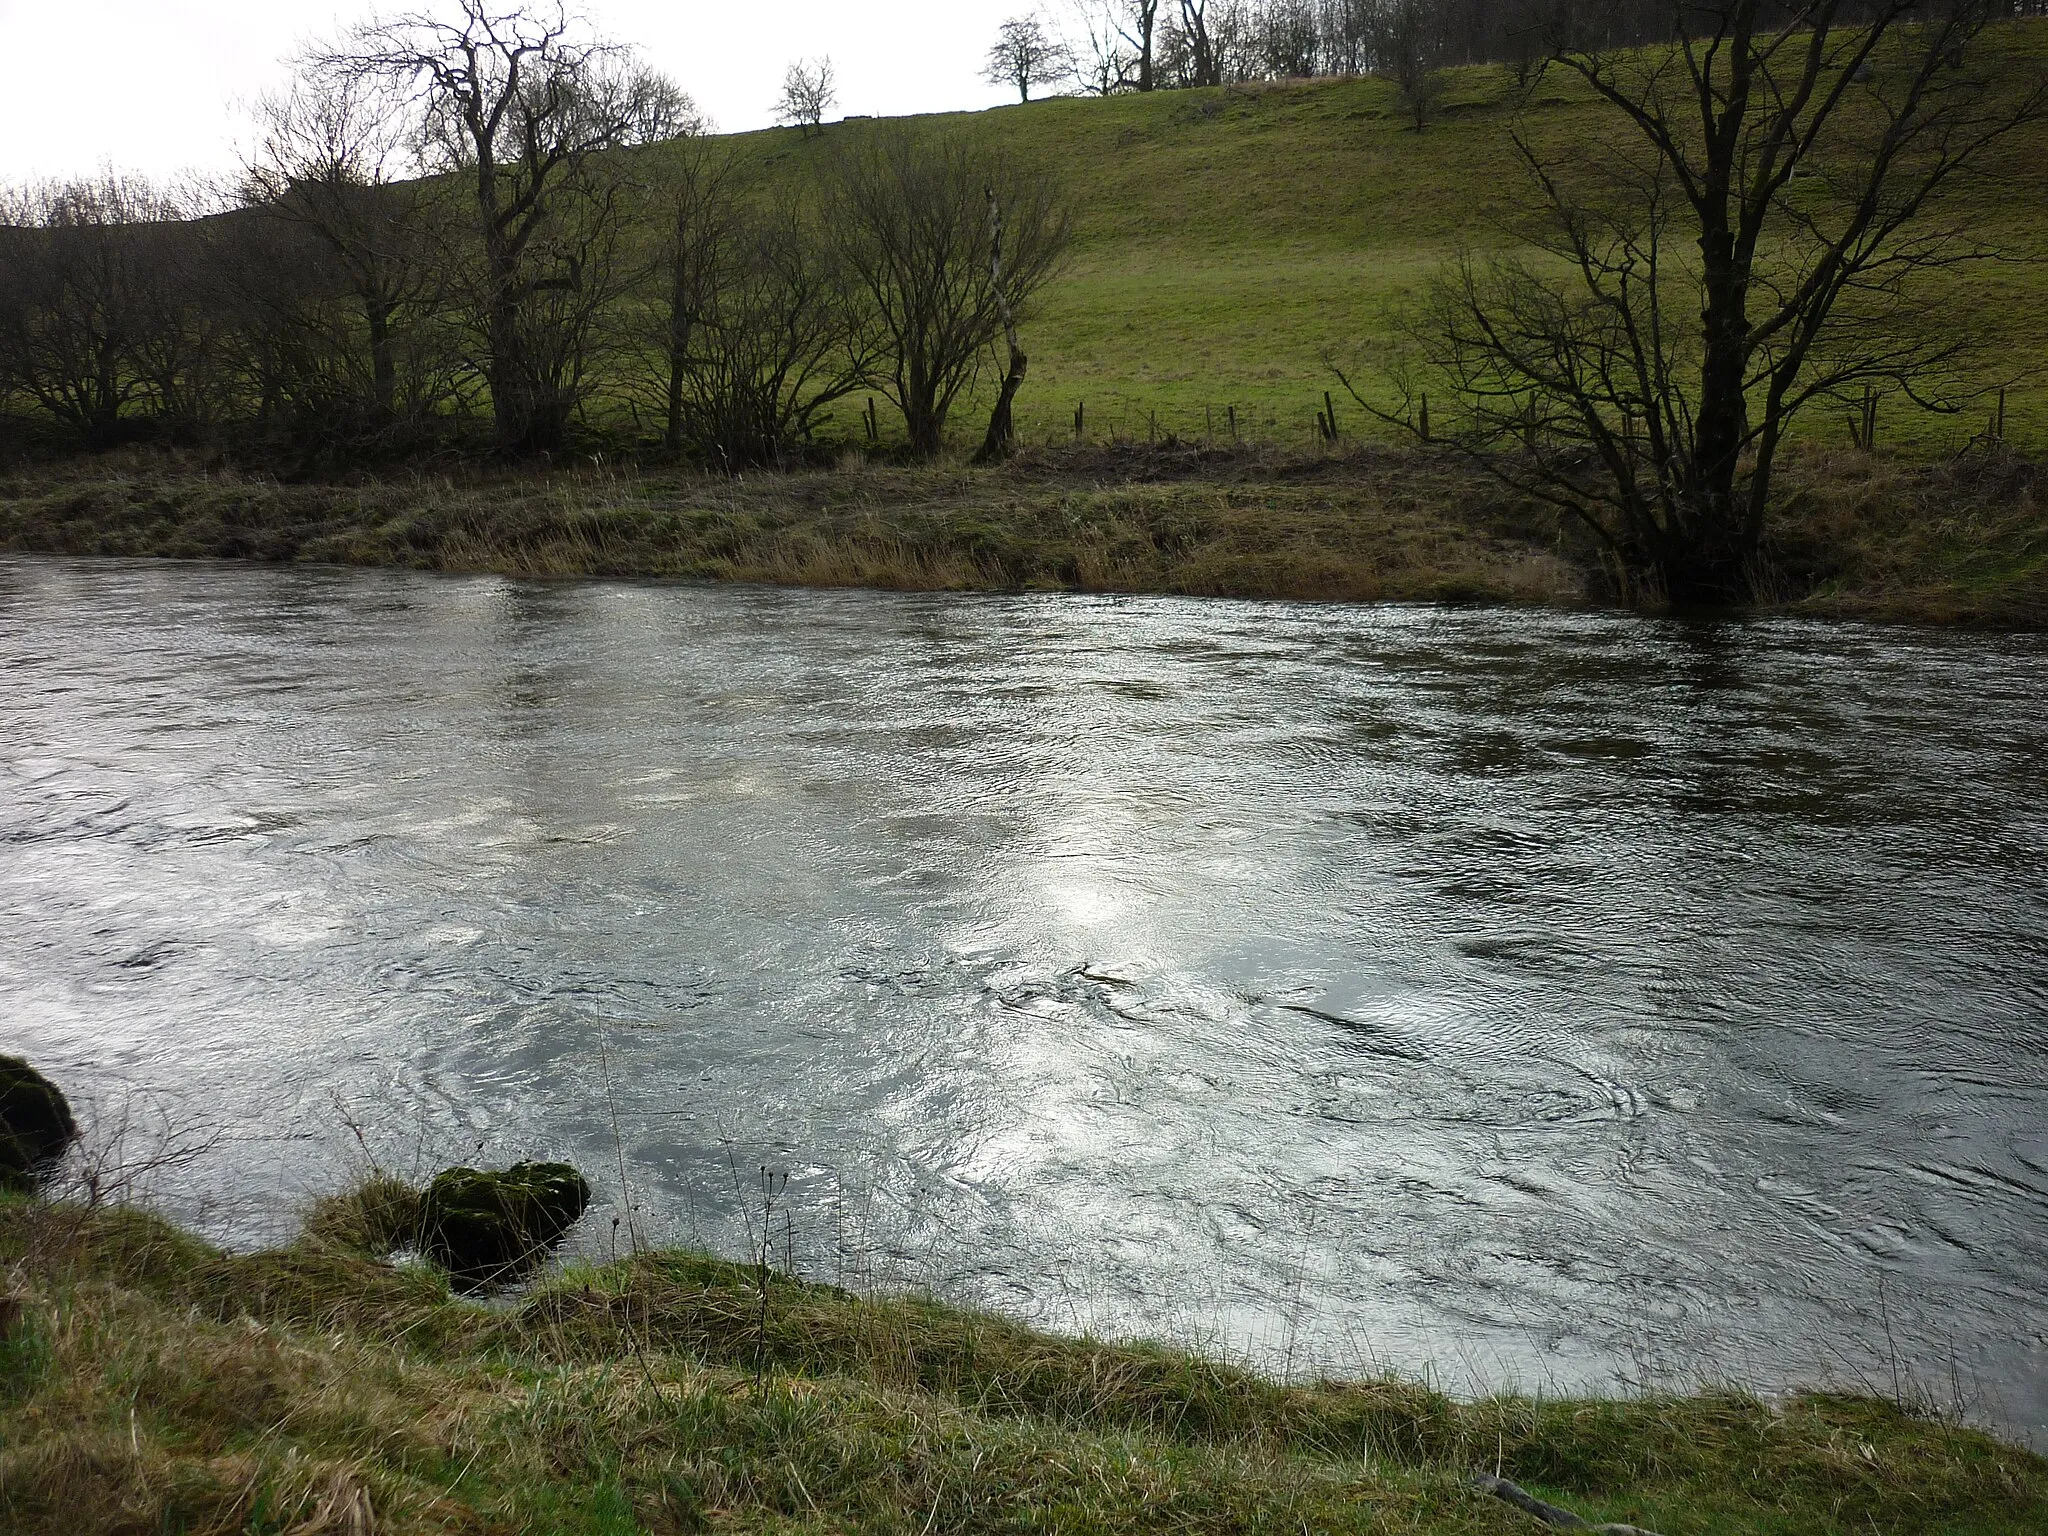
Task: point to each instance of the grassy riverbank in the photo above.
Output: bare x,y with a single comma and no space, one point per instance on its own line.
149,1383
1964,542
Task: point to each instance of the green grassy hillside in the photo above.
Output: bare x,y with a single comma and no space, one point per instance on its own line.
1226,239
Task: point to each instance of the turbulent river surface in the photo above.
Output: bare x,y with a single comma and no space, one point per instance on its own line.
1514,999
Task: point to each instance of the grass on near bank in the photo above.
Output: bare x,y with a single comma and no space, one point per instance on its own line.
149,1383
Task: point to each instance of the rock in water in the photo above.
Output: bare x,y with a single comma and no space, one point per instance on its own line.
35,1123
490,1229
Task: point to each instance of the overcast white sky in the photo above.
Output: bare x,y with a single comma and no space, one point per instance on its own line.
156,85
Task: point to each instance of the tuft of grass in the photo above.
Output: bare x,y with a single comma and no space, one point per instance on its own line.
174,1387
374,1219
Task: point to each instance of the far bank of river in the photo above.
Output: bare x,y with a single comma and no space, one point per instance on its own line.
1963,543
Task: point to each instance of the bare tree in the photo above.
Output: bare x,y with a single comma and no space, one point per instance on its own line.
332,159
1000,441
1753,236
1347,36
748,325
778,342
1203,63
912,218
1290,39
182,344
15,240
1103,62
1528,29
808,93
662,110
88,284
1026,54
517,105
1140,29
296,344
697,209
1407,44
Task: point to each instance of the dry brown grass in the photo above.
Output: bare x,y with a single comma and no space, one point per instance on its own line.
1359,527
1962,542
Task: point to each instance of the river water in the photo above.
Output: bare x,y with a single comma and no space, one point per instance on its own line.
1513,999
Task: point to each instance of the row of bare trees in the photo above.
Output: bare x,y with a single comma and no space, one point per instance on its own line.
1113,46
95,329
482,215
1109,46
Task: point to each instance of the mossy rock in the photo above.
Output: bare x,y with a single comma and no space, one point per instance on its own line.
35,1124
490,1229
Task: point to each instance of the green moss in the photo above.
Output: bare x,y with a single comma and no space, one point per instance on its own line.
491,1228
35,1123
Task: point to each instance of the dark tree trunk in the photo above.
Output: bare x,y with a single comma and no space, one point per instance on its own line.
509,417
926,429
678,360
1712,537
1001,440
1206,67
103,403
383,363
1708,573
102,429
515,414
923,419
672,425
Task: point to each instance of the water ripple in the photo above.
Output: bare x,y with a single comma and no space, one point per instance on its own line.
1543,999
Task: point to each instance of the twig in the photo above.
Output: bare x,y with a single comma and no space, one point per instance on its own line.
1552,1515
618,1144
